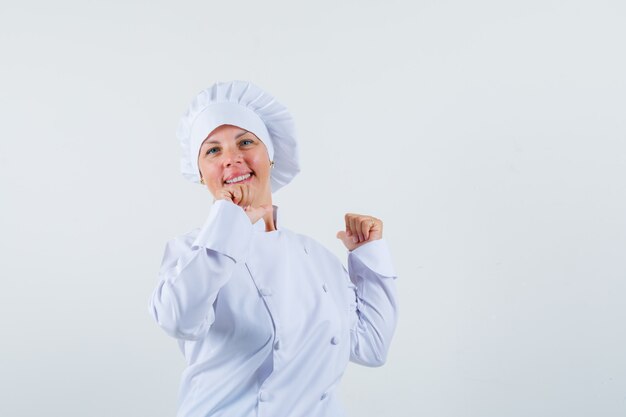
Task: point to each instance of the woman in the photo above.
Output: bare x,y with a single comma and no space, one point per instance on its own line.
267,319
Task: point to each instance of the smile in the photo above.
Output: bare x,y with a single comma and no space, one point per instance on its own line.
240,178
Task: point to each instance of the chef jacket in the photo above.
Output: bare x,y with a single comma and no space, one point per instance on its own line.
267,321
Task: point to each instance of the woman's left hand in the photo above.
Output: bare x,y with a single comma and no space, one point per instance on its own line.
360,229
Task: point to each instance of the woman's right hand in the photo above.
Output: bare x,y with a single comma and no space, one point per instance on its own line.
243,196
240,194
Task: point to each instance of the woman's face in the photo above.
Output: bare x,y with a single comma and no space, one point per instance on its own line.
231,155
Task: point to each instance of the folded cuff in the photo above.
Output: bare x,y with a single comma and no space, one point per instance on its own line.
227,230
376,257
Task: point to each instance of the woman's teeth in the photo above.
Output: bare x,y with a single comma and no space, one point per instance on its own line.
237,179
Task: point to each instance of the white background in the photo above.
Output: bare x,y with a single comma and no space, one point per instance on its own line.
488,135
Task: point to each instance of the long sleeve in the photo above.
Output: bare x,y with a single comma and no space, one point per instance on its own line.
371,271
192,273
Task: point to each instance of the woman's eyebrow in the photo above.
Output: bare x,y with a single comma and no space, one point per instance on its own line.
215,142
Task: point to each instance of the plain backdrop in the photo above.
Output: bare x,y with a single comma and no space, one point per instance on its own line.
488,135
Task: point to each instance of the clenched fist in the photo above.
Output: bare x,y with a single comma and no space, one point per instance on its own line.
360,229
240,194
243,196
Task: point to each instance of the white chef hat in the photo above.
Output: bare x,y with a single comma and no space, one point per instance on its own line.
241,104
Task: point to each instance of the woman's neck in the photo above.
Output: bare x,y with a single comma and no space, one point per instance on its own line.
270,221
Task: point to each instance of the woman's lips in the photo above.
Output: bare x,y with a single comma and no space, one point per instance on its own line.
238,179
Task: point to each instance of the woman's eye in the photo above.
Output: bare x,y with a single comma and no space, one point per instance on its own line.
212,151
247,142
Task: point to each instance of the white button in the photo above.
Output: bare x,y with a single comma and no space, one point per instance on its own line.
334,340
265,292
325,287
277,345
264,396
324,395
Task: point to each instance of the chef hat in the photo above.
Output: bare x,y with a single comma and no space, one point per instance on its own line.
241,104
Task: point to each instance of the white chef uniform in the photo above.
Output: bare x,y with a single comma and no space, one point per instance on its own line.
267,321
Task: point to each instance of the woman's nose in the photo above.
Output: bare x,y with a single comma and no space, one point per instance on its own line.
232,157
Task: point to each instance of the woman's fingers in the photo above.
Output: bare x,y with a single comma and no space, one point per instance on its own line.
366,224
353,227
243,201
235,193
350,230
240,194
248,197
375,229
363,228
356,236
224,195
